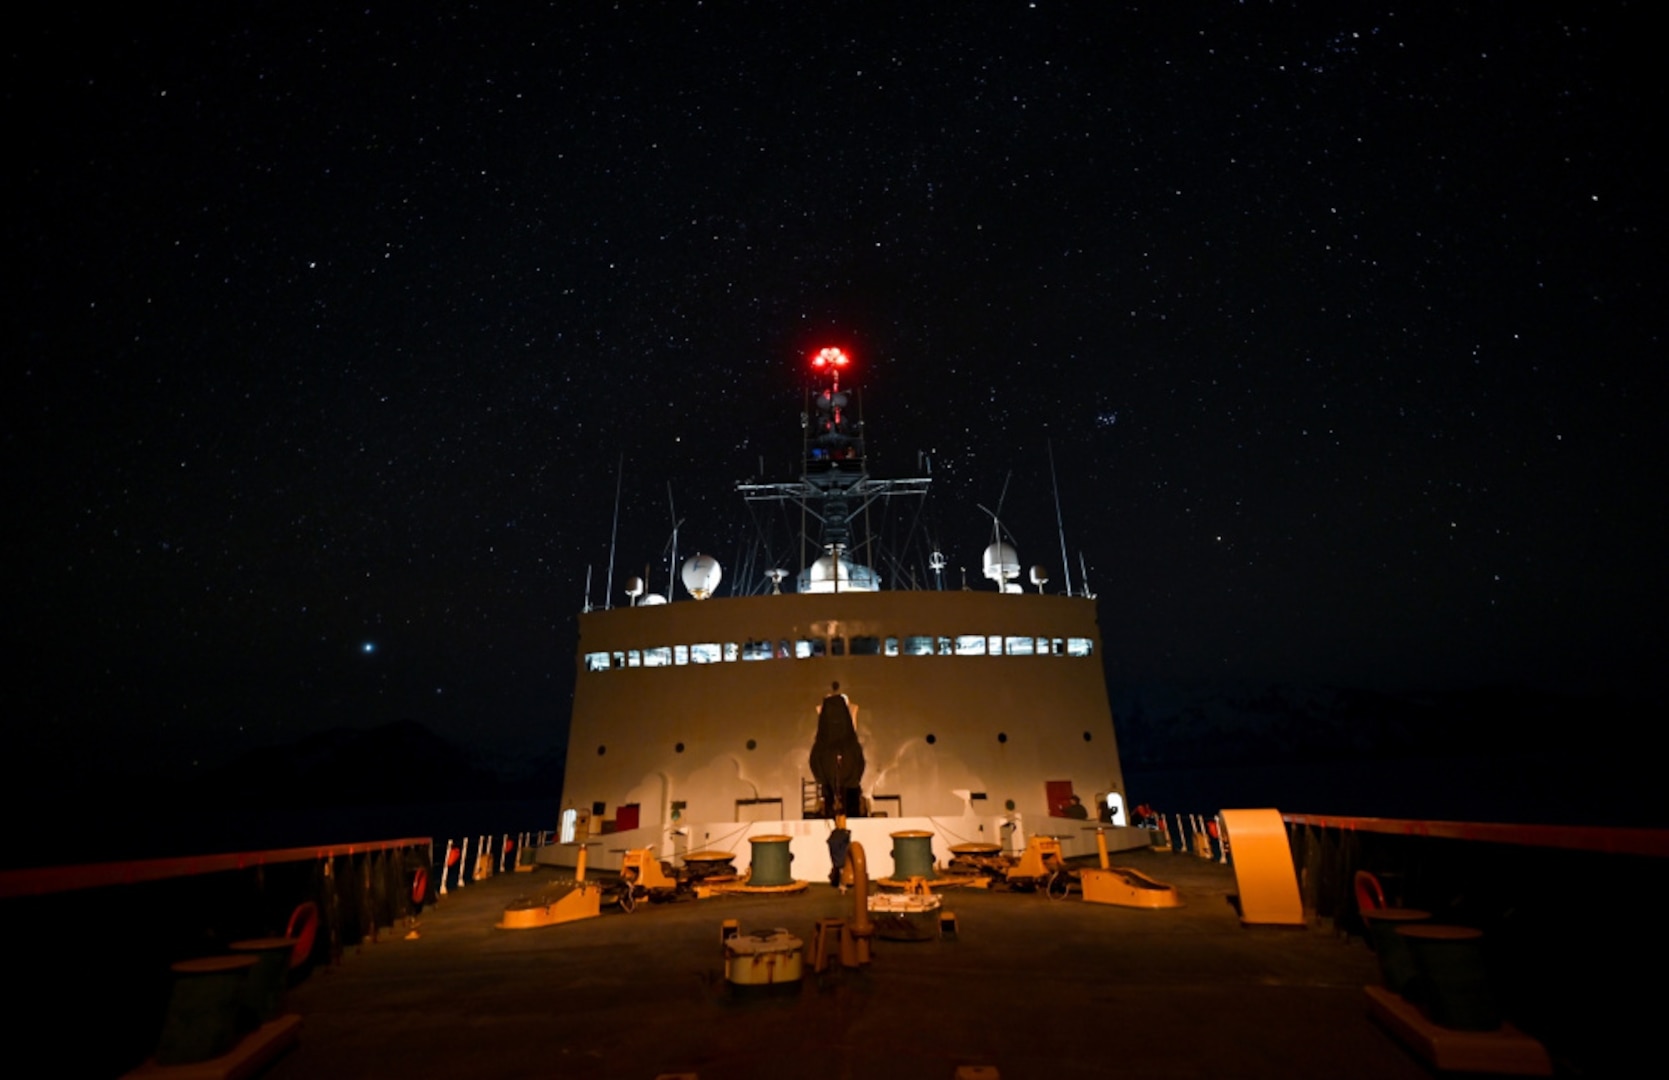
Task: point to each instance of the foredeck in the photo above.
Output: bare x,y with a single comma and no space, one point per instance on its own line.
1031,987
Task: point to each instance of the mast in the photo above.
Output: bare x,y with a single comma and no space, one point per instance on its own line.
834,490
1066,563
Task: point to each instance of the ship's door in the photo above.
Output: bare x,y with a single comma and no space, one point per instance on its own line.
1058,795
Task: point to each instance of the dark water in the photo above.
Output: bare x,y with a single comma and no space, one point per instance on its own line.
1562,788
1551,788
85,833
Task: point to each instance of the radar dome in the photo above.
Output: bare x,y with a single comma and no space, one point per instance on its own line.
829,574
652,599
701,574
1002,563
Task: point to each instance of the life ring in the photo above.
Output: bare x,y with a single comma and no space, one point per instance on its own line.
304,927
420,886
1369,896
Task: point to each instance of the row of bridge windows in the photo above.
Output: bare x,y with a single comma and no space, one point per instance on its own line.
812,648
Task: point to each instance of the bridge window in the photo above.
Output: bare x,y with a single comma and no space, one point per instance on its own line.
860,645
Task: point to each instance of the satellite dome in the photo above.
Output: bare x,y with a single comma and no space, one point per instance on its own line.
701,574
652,599
1002,562
829,574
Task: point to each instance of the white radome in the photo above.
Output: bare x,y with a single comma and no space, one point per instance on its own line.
1002,563
838,574
701,575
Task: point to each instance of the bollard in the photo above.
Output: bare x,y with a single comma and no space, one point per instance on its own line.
203,1009
770,861
912,855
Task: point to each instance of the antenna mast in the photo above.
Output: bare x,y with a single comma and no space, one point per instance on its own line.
614,534
1066,563
834,489
672,564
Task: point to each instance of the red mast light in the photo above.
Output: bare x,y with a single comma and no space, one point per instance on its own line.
830,358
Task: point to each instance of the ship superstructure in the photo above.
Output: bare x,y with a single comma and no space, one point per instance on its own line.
980,713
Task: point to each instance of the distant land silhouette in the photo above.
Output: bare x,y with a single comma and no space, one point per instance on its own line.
1493,754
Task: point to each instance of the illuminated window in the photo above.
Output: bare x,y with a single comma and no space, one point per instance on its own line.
661,657
1017,646
680,654
970,645
866,646
1057,646
784,651
731,652
705,653
634,658
837,646
596,661
944,646
918,646
756,650
1079,646
994,644
808,648
570,825
619,659
891,647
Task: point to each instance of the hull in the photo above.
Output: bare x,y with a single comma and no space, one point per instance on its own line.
1006,704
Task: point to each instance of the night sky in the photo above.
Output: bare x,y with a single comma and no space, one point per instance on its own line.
329,327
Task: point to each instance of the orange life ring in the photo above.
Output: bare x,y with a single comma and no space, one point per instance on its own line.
1369,896
304,927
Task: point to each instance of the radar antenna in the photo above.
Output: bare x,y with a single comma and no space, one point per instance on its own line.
834,491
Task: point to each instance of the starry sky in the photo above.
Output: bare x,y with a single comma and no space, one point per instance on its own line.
331,325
